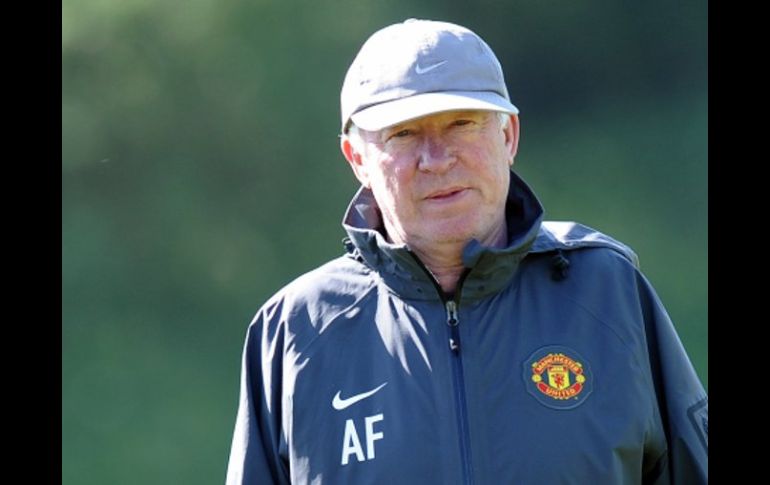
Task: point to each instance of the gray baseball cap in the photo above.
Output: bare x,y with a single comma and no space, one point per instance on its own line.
420,67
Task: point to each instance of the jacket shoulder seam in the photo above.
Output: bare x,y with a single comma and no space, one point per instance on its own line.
332,319
601,320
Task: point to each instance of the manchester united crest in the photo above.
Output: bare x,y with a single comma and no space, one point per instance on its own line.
558,377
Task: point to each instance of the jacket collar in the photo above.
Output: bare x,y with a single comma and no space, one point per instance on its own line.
491,269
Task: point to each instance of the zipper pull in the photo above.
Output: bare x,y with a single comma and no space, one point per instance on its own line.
451,313
452,321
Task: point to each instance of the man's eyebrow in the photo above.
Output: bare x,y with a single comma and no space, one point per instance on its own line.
470,114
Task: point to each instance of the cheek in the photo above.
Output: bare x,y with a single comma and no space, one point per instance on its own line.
492,163
494,168
390,189
395,178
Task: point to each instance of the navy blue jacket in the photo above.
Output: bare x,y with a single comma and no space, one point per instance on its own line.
553,363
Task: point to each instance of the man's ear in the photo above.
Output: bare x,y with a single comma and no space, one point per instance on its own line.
355,159
511,133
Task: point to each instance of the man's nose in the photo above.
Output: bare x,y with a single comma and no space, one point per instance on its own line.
436,155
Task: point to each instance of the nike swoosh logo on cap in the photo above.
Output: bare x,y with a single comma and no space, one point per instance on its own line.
339,404
423,70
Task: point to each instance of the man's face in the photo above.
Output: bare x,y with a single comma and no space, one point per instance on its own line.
439,179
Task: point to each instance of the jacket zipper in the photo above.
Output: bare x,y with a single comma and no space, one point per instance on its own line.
452,321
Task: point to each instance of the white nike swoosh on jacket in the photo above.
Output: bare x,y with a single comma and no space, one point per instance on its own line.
340,404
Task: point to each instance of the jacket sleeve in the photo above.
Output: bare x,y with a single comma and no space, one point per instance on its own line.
255,454
681,399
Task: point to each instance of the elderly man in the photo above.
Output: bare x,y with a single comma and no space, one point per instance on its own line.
461,339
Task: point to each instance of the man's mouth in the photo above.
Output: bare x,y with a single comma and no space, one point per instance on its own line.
446,194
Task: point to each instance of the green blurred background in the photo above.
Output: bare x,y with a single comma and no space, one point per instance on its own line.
201,172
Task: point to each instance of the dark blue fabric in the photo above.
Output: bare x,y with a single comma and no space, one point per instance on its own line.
574,380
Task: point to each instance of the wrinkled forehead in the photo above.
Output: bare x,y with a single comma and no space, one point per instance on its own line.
440,118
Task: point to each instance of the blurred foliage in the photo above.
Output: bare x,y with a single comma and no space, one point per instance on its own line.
201,172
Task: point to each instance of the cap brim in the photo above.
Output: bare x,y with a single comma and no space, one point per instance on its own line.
392,113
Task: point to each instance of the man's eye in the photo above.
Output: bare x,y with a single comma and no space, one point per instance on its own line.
401,134
461,122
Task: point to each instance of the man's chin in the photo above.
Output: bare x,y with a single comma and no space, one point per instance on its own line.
447,234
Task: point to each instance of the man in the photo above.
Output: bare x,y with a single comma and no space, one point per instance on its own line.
461,339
